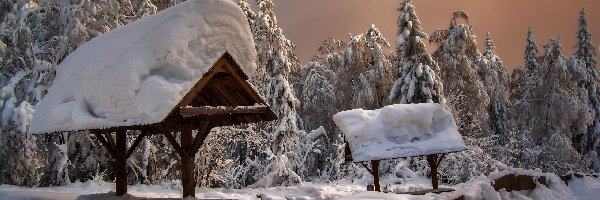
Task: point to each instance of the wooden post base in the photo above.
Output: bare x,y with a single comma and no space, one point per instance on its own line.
433,164
188,179
118,150
375,169
187,151
121,163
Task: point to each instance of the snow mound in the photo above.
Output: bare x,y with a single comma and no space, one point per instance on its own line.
136,74
483,188
399,130
106,196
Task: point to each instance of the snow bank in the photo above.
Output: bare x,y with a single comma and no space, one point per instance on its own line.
137,73
482,188
399,130
106,196
586,187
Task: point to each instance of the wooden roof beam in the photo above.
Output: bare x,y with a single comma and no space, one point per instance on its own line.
222,110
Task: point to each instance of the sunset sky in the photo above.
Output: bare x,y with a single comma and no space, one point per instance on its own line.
308,22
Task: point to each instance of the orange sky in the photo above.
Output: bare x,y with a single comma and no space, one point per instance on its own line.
308,22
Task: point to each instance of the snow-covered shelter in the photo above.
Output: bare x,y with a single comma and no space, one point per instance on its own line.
182,69
399,131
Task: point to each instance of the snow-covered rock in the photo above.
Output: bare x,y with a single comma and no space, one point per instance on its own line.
399,130
136,74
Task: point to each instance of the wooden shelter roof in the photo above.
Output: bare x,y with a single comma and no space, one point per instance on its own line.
222,96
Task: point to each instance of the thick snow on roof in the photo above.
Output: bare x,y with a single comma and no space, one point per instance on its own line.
136,74
399,130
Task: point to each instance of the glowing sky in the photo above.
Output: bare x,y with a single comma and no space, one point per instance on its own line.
308,22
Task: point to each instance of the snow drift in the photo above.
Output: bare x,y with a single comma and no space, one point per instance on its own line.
399,130
136,74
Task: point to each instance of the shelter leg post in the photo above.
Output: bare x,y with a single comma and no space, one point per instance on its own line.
187,164
121,163
375,169
432,160
188,178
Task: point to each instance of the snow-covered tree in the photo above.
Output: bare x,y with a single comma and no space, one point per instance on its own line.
456,56
418,81
531,54
275,60
343,76
250,15
364,55
319,97
559,110
495,79
466,96
523,82
585,53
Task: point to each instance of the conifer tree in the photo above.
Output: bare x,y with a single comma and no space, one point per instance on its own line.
495,79
585,53
343,76
457,55
365,56
417,82
531,53
275,60
560,112
524,80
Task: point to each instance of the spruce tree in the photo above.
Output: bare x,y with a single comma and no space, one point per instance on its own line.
365,56
531,53
457,57
275,60
523,82
417,79
495,79
585,53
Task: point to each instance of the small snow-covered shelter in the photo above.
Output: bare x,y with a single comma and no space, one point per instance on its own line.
182,69
398,131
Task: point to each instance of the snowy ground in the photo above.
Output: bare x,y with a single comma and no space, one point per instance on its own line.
586,188
304,191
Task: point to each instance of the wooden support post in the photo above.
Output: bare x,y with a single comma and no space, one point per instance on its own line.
188,178
375,172
121,162
347,152
432,160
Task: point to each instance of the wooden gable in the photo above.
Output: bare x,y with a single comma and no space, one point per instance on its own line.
224,97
